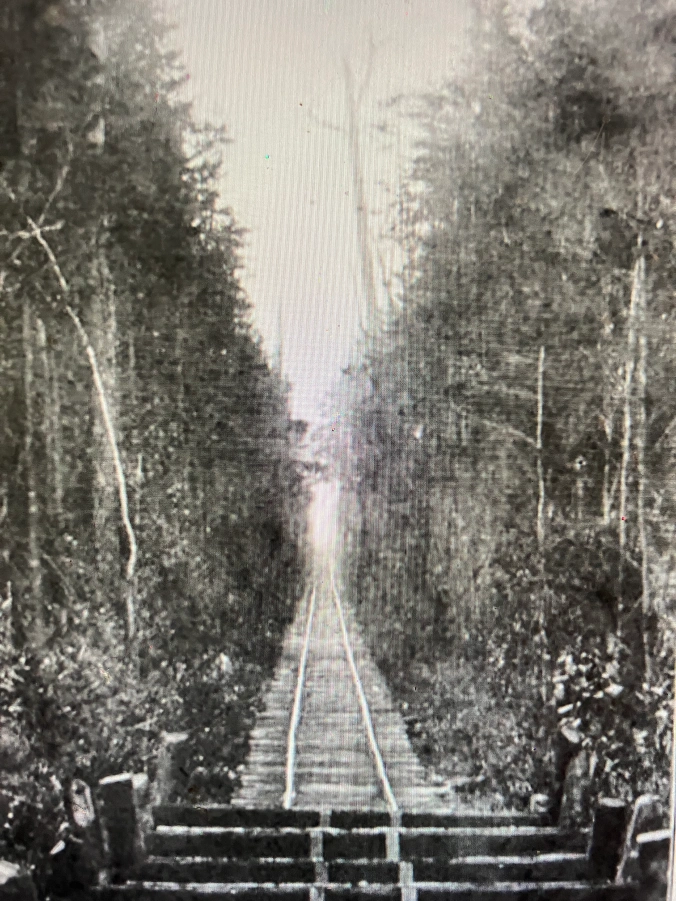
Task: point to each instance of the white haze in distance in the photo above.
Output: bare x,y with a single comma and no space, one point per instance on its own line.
271,72
324,528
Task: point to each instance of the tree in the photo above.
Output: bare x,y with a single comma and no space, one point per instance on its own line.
150,490
543,237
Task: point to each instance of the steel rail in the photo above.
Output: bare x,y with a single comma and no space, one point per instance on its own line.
390,799
291,744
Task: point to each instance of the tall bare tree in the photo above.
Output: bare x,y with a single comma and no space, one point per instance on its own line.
354,97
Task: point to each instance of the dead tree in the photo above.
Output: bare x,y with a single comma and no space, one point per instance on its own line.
354,97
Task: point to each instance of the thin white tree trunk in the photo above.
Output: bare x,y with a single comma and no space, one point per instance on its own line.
641,380
138,488
102,330
33,511
119,469
630,367
540,526
641,434
109,429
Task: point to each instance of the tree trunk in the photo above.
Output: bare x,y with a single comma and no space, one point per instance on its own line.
540,525
363,230
103,337
53,429
133,432
138,485
630,368
540,530
35,611
120,478
641,430
607,490
107,420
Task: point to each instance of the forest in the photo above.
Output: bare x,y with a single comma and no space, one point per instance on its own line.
151,498
509,442
505,446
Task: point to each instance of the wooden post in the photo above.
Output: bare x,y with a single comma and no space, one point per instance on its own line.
170,763
608,830
86,863
143,807
121,822
648,814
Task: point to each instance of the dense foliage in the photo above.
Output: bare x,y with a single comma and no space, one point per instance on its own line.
152,507
511,439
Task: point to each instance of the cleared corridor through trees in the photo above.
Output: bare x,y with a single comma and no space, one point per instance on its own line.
329,736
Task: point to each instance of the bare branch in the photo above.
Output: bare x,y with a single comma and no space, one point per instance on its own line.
499,426
67,586
665,434
58,186
521,393
39,237
27,235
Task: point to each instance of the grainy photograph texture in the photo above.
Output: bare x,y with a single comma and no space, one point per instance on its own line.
338,439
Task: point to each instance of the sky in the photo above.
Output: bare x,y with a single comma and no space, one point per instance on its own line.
271,72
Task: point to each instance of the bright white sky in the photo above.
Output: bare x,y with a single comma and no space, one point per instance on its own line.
271,72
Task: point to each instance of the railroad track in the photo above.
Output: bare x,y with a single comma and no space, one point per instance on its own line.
329,736
292,744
